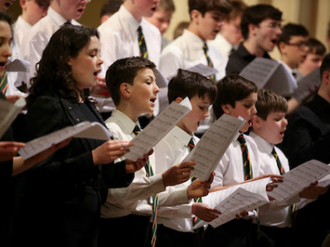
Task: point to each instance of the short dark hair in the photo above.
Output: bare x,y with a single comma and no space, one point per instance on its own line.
232,88
5,17
325,64
256,14
316,47
110,7
270,101
238,8
292,29
54,75
189,84
124,70
204,6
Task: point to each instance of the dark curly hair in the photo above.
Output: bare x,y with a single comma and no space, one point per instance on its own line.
54,75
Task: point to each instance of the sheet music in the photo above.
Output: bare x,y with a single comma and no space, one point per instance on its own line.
158,128
213,144
236,199
85,129
298,178
201,69
307,83
18,65
259,71
8,113
268,73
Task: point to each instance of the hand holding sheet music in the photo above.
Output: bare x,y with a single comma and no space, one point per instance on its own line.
85,129
158,128
214,143
235,200
298,178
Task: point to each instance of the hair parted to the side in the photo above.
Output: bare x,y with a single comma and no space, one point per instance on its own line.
189,84
204,6
256,14
232,88
53,74
270,101
124,70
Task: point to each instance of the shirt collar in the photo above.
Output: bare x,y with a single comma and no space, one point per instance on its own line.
128,124
195,49
262,144
59,20
181,135
130,23
245,53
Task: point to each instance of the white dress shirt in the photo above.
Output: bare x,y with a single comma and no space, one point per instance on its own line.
171,150
39,36
222,45
185,52
136,197
276,215
119,39
230,170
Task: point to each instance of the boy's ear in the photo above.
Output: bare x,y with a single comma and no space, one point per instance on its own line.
281,46
194,14
178,100
253,28
226,108
125,89
256,122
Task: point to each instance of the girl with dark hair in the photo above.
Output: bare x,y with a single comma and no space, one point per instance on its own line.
65,192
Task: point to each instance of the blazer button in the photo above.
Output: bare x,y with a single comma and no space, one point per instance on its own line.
70,108
78,120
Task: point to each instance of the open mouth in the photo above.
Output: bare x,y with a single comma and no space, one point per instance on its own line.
153,100
8,4
81,11
274,41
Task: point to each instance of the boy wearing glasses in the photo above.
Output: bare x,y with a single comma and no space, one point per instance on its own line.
261,28
293,46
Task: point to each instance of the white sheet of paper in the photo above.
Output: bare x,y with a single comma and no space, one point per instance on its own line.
201,69
298,178
213,144
158,128
85,129
8,113
161,81
18,65
307,84
268,73
235,200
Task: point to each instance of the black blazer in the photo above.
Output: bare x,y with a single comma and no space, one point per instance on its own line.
65,192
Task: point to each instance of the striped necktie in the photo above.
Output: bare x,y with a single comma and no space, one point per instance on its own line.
142,44
280,168
209,61
150,173
191,146
248,173
4,83
278,162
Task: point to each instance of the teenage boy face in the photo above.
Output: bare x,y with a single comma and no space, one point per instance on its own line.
267,34
311,62
231,30
146,7
244,108
200,110
72,9
272,129
143,92
209,24
161,19
296,49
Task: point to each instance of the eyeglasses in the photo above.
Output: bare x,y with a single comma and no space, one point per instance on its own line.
300,45
272,25
77,1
